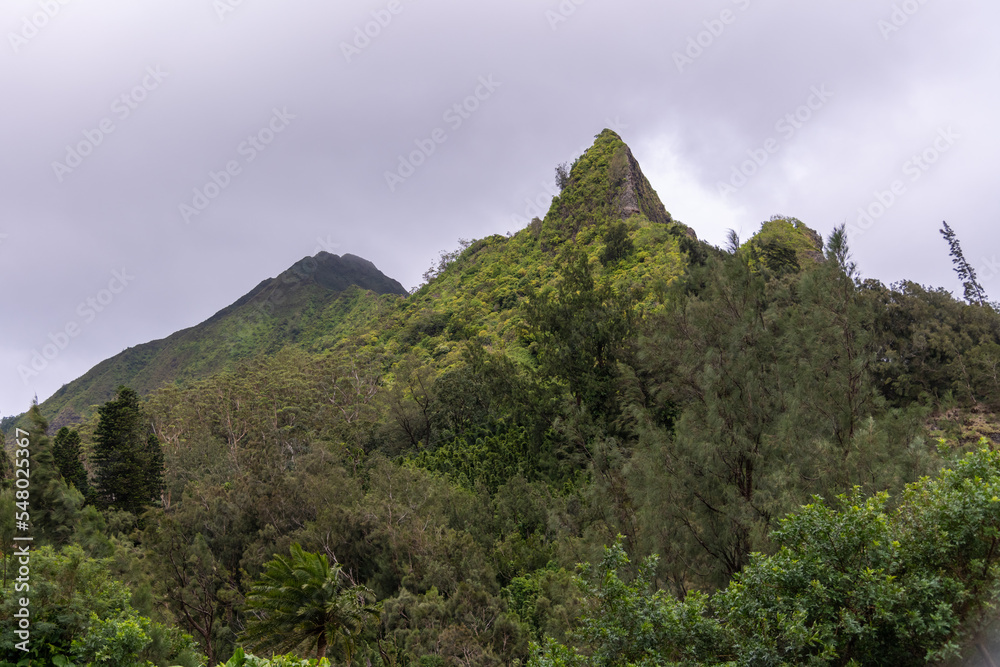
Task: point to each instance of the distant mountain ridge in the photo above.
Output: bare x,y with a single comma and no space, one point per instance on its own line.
300,306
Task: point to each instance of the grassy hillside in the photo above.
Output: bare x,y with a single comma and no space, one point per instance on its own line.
319,298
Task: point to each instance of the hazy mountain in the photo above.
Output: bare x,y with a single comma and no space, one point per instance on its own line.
309,301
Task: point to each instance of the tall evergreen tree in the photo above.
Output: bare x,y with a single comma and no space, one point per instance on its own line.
128,459
66,449
55,506
770,376
617,244
974,292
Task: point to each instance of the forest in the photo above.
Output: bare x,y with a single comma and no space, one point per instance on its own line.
597,441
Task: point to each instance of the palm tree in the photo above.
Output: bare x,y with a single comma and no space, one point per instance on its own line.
304,599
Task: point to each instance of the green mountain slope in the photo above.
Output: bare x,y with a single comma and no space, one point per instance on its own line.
607,210
317,297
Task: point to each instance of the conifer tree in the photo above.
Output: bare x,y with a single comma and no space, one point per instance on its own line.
128,459
55,506
66,449
617,244
769,382
974,292
581,332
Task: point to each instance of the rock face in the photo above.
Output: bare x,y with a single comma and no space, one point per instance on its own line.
633,188
606,183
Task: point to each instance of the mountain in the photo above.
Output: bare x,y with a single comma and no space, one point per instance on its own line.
598,388
606,207
316,298
476,293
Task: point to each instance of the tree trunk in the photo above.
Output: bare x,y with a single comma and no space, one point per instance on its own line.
321,646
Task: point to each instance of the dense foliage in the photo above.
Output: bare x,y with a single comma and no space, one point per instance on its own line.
412,480
856,583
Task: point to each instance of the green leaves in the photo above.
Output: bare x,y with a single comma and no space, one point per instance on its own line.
66,450
241,659
305,600
128,460
82,615
974,293
629,622
580,332
853,583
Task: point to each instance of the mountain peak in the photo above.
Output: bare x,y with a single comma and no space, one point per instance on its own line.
605,184
338,272
304,305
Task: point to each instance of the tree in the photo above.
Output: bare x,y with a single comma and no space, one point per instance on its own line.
195,586
55,506
581,331
562,176
304,599
66,449
766,386
80,610
974,292
128,458
630,622
855,582
617,244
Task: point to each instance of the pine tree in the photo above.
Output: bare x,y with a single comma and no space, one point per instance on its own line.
974,293
562,176
767,394
66,449
128,460
617,244
55,506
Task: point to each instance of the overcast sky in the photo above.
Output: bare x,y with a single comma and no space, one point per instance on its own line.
160,158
